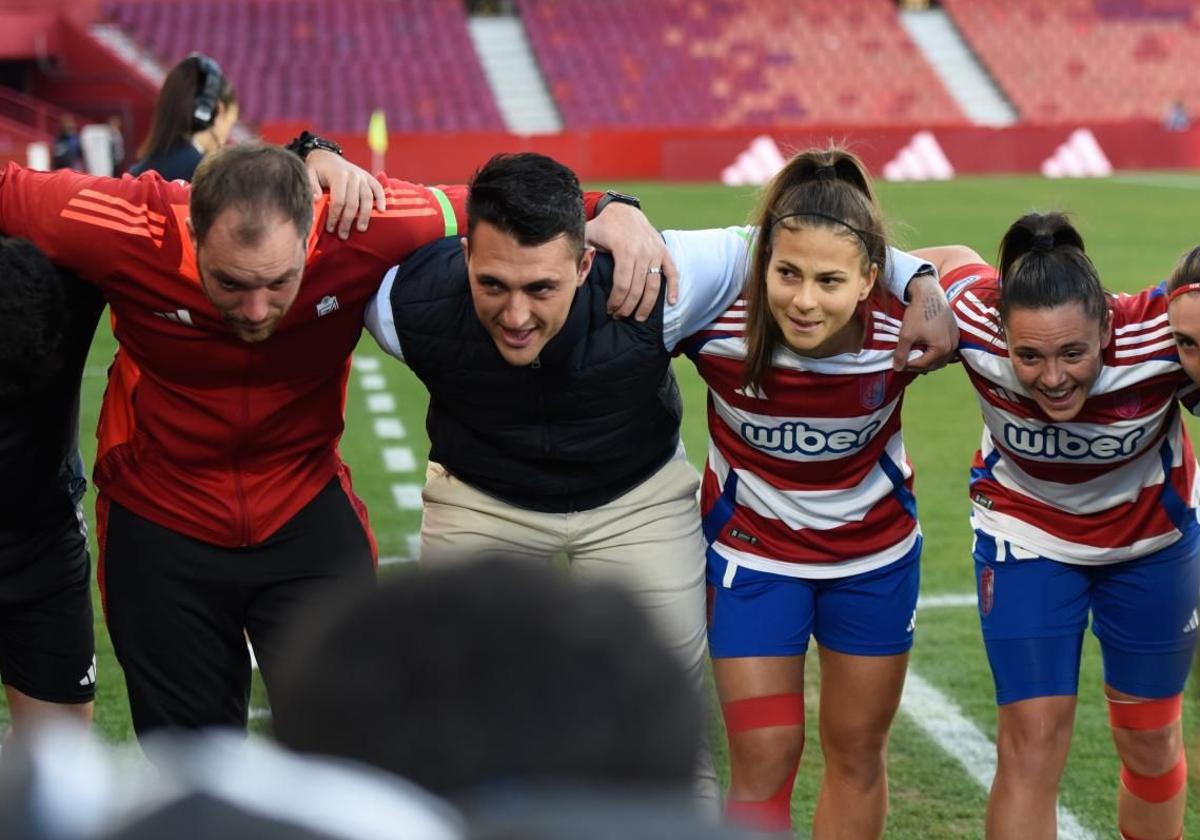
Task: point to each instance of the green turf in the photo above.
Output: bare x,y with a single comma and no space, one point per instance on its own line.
1134,232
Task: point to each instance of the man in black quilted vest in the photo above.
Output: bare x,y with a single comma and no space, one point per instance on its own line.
554,427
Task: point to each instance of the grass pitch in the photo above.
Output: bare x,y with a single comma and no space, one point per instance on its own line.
1135,227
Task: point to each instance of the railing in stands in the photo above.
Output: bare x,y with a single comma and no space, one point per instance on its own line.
40,116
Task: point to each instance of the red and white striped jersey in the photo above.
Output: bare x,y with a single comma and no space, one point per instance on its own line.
807,476
1116,482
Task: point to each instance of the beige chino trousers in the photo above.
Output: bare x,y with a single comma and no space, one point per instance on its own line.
648,540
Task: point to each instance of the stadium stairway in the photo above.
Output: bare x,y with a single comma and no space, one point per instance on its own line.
512,72
128,49
956,65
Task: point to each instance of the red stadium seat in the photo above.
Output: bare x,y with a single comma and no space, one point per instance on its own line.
329,64
1075,60
733,63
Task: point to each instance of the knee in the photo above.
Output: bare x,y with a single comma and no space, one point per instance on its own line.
1034,744
766,740
857,754
778,747
1151,752
1147,734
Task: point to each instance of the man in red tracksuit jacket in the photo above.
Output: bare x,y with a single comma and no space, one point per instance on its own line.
224,503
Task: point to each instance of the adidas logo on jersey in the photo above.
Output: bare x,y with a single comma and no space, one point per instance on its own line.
1057,442
1193,623
800,437
179,316
328,304
755,394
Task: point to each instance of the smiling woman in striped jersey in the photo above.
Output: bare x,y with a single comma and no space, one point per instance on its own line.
1083,501
807,499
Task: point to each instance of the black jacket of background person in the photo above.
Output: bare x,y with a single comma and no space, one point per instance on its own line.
39,437
177,163
597,414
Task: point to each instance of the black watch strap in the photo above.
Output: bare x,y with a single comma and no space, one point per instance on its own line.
621,198
307,141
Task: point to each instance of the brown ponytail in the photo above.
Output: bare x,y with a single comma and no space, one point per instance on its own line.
818,188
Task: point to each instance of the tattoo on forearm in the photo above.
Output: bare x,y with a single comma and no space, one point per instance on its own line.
934,307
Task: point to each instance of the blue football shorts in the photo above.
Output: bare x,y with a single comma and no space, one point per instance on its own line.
753,613
1034,610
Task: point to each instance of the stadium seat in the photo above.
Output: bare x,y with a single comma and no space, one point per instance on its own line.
661,63
329,64
1075,60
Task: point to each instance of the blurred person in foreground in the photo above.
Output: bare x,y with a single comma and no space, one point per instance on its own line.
529,699
47,319
62,784
194,115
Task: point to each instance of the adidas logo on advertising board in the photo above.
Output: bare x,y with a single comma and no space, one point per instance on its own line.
755,166
921,159
1079,157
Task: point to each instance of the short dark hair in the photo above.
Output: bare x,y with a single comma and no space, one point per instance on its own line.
531,197
1042,264
491,671
33,320
262,180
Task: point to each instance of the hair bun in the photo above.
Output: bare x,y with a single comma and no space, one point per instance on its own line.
1042,242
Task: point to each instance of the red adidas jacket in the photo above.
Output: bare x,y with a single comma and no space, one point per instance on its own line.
201,432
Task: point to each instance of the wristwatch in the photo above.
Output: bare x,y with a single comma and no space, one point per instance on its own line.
925,270
621,198
307,141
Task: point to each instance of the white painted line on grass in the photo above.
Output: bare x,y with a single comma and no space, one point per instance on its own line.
260,714
947,599
381,403
366,364
407,496
399,459
389,428
941,719
1176,182
372,381
413,541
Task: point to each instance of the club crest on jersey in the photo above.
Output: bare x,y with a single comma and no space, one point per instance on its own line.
1128,405
801,438
872,390
1057,442
327,304
987,590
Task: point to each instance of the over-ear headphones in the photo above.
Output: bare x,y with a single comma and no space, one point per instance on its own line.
208,87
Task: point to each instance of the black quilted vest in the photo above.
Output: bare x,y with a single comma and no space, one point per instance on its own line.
594,416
